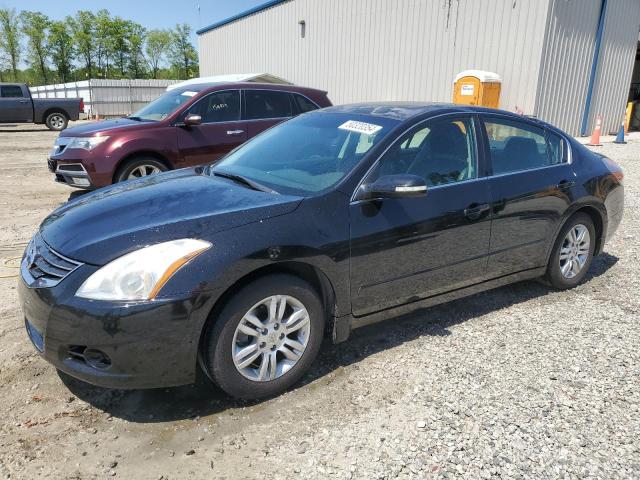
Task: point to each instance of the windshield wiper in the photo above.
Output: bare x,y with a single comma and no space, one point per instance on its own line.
244,180
133,117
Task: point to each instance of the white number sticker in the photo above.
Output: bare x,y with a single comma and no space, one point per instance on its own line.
466,90
360,127
189,93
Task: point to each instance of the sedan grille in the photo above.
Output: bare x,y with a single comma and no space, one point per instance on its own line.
44,267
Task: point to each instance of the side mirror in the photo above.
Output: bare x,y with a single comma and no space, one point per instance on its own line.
394,186
192,120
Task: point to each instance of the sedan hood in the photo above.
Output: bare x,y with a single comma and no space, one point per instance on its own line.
104,126
101,226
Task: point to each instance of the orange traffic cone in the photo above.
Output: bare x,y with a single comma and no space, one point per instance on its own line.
595,136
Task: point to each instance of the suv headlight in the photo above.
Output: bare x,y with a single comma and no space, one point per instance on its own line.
141,274
86,143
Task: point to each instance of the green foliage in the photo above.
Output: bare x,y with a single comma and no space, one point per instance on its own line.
35,26
83,30
183,56
156,48
61,48
91,45
10,37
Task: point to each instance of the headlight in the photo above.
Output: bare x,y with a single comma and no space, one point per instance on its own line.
141,274
86,143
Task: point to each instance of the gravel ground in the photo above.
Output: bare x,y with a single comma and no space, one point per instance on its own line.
519,382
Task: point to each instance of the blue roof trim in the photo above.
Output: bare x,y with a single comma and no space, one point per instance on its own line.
246,13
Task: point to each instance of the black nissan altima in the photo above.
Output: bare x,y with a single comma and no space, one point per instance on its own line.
333,220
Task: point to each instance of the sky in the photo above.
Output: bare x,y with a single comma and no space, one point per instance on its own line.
149,13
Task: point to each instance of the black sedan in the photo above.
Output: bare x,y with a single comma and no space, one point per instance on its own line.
328,222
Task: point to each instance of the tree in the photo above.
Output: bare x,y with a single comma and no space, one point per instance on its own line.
118,34
156,48
83,29
103,40
61,48
10,37
34,26
182,53
135,42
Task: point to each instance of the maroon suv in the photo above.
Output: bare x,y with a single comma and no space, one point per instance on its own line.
187,126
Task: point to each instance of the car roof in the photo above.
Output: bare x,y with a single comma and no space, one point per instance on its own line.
406,110
212,86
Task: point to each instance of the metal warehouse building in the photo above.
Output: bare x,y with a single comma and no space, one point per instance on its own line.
565,61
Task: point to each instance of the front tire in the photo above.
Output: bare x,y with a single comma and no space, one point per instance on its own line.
265,338
139,167
56,121
572,252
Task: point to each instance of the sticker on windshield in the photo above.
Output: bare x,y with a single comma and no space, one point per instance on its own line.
188,93
360,127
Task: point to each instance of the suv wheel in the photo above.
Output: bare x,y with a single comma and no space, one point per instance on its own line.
56,121
265,338
139,167
572,253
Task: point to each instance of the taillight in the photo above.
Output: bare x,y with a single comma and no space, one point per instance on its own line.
619,175
82,105
614,168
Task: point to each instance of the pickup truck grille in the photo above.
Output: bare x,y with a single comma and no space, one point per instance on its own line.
43,267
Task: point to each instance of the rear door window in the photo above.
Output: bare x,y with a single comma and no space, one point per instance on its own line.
517,146
265,104
11,91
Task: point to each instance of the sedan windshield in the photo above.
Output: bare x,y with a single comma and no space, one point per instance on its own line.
164,106
308,154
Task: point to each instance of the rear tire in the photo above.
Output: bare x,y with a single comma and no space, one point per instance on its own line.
225,339
139,167
56,121
572,252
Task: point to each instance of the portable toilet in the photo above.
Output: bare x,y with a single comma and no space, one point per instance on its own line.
477,87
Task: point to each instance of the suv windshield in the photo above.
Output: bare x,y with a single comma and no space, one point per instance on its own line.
308,154
165,105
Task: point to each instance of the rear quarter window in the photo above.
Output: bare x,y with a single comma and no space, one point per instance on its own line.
303,103
557,148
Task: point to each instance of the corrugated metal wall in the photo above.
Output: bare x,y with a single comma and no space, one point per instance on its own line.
107,97
566,62
362,50
615,68
568,55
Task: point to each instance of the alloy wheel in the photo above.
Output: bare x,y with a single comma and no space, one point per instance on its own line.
271,338
574,251
143,171
56,121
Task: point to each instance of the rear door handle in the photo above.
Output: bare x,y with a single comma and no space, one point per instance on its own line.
24,101
475,211
565,185
235,132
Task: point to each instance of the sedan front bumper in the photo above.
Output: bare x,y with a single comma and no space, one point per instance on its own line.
143,345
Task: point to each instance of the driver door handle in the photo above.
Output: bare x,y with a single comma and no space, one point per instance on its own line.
565,185
235,132
475,211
